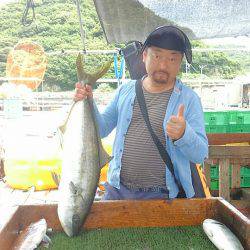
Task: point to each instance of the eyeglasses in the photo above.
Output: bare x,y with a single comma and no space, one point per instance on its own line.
158,57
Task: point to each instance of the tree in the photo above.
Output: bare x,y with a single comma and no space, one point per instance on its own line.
56,28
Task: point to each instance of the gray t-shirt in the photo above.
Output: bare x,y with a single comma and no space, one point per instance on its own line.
142,165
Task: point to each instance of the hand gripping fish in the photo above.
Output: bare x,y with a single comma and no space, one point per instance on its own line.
82,159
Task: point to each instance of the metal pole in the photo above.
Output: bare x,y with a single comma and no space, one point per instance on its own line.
82,33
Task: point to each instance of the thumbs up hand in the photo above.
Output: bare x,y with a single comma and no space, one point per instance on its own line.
176,124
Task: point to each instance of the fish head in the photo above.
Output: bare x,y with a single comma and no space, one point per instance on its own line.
208,228
220,235
31,236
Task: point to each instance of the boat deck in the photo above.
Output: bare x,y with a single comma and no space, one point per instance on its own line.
15,197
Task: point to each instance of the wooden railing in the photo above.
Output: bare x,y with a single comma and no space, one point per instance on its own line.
224,155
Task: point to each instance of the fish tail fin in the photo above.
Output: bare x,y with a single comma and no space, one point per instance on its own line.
101,71
103,156
90,78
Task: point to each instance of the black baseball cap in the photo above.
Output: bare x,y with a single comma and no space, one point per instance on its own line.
169,37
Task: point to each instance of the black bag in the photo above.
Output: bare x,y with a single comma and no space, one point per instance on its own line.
196,178
133,58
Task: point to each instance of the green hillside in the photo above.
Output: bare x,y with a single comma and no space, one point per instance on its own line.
56,28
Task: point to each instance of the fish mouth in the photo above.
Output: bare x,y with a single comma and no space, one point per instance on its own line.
76,224
73,227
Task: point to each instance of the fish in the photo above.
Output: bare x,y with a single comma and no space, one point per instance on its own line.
221,236
32,236
83,156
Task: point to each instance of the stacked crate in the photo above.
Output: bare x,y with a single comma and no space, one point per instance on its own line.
244,175
228,122
239,122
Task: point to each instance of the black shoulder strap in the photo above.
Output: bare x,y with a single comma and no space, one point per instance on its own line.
164,154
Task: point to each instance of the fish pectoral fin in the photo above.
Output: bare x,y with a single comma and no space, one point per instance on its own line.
56,178
72,187
75,190
104,157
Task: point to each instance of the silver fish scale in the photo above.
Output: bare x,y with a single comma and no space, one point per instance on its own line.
80,167
32,236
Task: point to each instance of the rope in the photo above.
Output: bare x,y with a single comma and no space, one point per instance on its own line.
29,5
82,32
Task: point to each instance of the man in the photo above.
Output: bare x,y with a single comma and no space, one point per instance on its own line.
137,170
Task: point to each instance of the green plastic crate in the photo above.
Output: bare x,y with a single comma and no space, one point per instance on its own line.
214,171
239,128
214,184
216,118
245,171
239,117
245,181
217,129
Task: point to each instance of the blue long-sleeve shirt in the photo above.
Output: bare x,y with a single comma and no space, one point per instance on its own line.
192,146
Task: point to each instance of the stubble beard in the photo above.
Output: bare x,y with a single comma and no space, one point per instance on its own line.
160,77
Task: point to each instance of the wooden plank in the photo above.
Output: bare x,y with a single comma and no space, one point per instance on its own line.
239,161
236,176
218,151
224,179
222,139
43,197
147,213
130,213
52,197
8,226
115,214
207,173
18,197
235,220
6,213
243,206
36,197
246,194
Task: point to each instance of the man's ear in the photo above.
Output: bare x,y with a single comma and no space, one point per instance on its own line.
144,54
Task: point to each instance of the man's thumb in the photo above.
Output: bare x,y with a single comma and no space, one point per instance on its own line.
181,111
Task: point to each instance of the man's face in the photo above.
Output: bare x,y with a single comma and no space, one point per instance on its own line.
162,65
